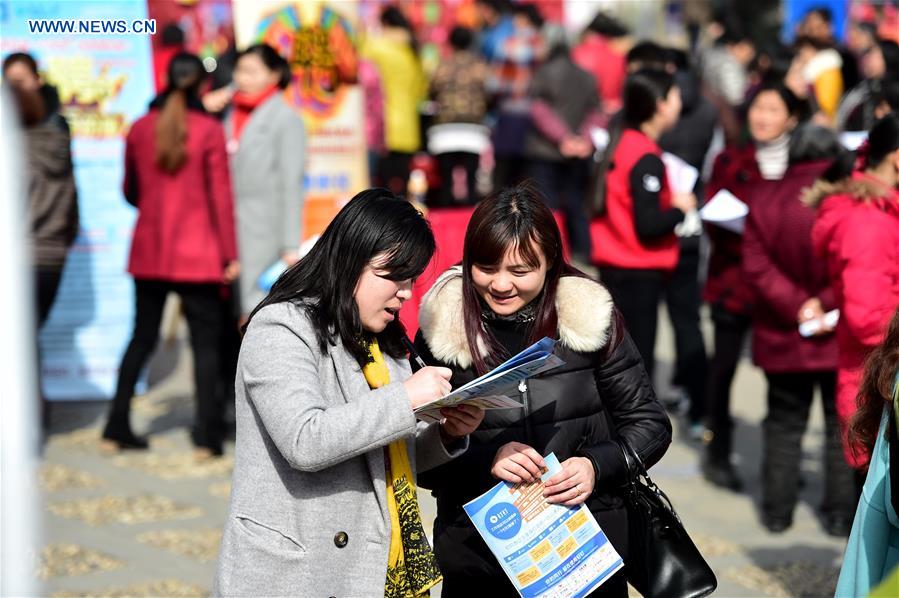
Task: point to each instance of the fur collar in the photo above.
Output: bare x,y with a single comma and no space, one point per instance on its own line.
584,307
860,187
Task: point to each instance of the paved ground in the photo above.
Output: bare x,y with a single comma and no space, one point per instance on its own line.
149,524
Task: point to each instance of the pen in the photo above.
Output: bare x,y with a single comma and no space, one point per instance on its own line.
413,354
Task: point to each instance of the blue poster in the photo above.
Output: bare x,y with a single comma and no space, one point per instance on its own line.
795,11
105,82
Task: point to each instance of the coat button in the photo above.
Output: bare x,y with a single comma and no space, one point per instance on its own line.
341,539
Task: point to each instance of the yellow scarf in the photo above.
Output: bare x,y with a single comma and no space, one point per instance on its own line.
411,567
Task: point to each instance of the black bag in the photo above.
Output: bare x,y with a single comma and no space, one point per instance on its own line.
662,562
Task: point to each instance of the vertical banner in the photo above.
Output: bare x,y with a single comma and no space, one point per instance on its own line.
320,41
104,82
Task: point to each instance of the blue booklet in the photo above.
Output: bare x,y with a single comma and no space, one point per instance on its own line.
493,389
268,278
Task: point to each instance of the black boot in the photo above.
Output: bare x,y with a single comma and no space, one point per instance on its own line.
721,473
117,435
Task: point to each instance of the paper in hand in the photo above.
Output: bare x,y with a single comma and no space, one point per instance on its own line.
726,211
493,389
681,176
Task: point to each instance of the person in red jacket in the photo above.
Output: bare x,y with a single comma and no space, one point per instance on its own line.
601,52
634,243
857,230
789,286
772,116
176,175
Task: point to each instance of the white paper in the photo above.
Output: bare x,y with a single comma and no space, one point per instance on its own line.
810,327
851,140
458,137
726,211
600,138
547,550
681,176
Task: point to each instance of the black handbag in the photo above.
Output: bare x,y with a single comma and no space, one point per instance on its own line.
662,560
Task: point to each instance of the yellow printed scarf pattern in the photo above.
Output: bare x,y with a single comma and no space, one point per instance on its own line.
411,567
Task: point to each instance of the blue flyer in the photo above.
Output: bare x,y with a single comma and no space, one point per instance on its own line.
546,550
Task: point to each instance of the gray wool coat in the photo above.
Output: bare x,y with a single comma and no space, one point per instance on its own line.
308,513
267,167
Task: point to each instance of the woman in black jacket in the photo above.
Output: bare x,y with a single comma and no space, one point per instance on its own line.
513,288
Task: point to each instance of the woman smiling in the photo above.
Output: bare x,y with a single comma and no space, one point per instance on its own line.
513,288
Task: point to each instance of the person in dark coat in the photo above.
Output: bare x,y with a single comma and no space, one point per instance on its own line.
513,288
52,194
689,140
790,285
740,168
858,108
176,175
565,107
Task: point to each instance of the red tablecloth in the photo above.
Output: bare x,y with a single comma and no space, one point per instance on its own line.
449,226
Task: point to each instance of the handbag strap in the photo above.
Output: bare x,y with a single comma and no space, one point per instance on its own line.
636,470
635,466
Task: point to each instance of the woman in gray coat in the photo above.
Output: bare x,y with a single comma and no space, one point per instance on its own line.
267,145
323,500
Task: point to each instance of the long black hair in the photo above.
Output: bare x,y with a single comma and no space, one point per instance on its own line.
882,141
374,223
642,92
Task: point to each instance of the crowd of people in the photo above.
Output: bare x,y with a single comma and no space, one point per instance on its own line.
582,129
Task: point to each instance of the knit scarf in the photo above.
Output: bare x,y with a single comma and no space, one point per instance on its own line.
245,103
411,566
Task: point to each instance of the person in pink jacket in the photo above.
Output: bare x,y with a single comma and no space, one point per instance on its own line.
857,230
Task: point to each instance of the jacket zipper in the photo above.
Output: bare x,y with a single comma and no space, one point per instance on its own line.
528,431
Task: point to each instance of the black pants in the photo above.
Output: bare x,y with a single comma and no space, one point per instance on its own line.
230,347
46,284
202,305
509,171
46,287
637,294
394,173
730,335
564,184
682,298
789,400
448,163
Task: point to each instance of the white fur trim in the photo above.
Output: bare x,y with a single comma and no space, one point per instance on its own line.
585,314
825,60
584,309
440,319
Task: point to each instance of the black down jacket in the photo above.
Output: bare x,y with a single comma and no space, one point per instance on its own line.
600,394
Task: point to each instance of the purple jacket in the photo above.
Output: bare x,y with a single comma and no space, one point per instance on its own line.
783,271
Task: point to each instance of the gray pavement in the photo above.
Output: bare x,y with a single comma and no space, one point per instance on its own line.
149,524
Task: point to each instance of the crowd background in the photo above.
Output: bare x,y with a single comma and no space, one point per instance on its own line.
764,111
